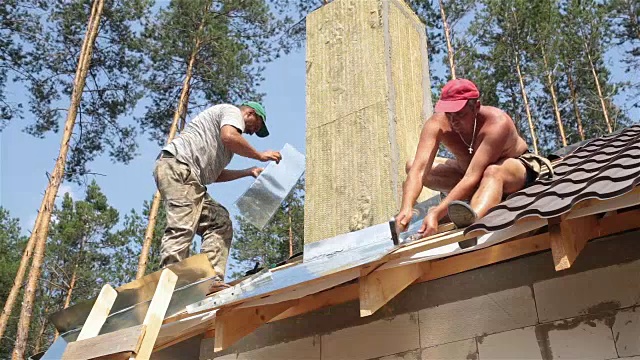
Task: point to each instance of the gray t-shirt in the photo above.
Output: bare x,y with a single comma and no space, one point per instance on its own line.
200,146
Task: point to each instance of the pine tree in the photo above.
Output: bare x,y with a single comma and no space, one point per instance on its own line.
41,227
12,244
18,27
112,88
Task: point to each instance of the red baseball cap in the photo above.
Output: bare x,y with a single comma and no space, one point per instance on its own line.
455,95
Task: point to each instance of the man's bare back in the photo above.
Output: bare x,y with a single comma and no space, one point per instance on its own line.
486,145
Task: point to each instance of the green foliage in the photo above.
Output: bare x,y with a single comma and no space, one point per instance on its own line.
17,26
270,245
132,233
12,245
113,85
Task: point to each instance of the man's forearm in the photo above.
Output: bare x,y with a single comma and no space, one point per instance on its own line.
239,145
230,175
411,191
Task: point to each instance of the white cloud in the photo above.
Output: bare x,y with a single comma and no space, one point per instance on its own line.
64,188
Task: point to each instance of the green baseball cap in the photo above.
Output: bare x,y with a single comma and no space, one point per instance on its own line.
263,132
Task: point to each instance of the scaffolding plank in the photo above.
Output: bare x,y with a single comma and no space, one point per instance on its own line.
99,313
117,342
155,314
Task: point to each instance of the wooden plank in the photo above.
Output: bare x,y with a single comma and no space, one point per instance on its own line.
439,268
377,288
116,342
175,332
235,324
334,296
119,356
155,313
99,313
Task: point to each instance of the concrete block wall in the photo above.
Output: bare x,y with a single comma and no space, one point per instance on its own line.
517,309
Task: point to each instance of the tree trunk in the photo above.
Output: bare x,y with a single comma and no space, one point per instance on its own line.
179,113
40,233
597,81
447,35
600,96
574,101
74,275
290,236
556,110
526,106
43,328
17,282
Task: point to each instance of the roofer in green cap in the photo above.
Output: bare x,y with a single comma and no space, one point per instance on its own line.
196,158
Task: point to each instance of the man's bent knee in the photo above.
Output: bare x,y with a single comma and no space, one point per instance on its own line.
492,172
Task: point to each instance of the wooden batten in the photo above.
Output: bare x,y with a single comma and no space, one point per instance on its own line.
156,312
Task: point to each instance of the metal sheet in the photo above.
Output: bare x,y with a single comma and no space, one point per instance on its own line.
190,270
340,253
134,316
321,259
263,198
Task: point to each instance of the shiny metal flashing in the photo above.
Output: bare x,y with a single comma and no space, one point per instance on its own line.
263,198
189,271
134,315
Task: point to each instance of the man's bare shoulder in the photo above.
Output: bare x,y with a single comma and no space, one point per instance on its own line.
436,123
495,118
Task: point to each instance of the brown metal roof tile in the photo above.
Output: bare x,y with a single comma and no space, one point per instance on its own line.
602,168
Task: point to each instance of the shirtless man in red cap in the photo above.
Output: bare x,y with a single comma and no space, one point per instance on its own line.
491,159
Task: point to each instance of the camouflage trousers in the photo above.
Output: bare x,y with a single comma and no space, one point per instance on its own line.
190,210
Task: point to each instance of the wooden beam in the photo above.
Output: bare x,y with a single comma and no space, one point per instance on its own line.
156,312
377,288
309,303
568,238
440,268
116,342
235,324
99,313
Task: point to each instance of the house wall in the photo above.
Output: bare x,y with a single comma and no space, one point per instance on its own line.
517,309
368,94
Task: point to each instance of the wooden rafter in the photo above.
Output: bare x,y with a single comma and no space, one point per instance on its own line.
569,236
99,313
232,325
377,288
